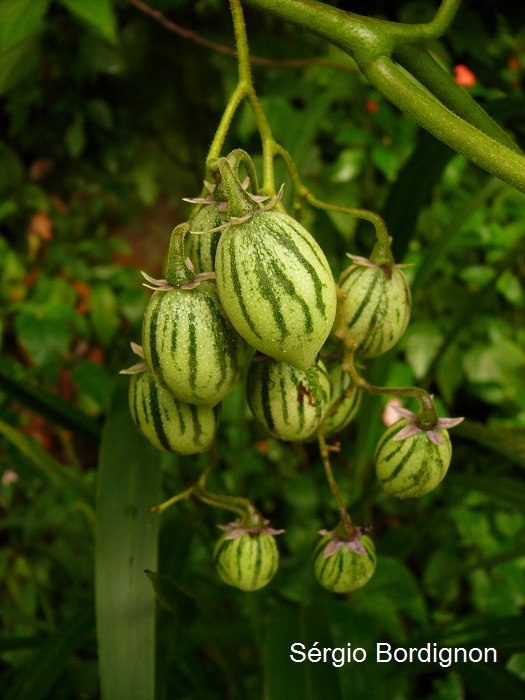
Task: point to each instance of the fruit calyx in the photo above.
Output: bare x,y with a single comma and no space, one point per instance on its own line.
140,366
345,535
384,265
425,420
241,205
238,527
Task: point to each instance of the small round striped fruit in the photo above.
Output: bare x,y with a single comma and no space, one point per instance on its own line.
344,571
377,307
290,403
411,467
201,247
347,408
169,424
276,286
190,345
247,562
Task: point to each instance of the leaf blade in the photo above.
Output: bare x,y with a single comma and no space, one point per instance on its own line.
126,544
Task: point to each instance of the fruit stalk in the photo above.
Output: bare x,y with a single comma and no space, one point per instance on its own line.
345,521
177,272
427,417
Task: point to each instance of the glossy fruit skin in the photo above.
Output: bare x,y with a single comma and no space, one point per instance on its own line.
377,307
288,402
201,247
344,571
347,408
411,467
277,287
248,562
190,345
170,425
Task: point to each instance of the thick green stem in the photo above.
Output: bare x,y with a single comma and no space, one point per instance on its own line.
464,138
372,43
428,71
442,19
177,273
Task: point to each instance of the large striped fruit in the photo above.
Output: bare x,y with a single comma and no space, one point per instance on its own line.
276,286
190,345
290,403
201,247
167,423
413,466
377,307
346,408
247,562
345,570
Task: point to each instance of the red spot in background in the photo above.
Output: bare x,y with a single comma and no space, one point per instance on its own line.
514,63
464,76
371,106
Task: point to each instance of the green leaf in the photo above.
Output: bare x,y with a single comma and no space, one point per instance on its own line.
508,441
126,545
510,491
19,19
48,405
94,382
386,160
45,330
510,287
394,580
75,137
98,14
61,476
40,672
11,642
103,309
166,590
412,189
488,681
293,680
17,62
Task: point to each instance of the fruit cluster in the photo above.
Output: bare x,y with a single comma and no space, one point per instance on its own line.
242,273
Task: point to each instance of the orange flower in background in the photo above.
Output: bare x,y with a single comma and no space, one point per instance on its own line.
464,76
372,106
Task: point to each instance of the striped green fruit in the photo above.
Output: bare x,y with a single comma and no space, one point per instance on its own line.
190,345
169,424
344,571
377,307
247,562
290,403
346,408
276,286
201,247
411,467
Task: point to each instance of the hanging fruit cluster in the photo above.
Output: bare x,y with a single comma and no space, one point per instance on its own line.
243,273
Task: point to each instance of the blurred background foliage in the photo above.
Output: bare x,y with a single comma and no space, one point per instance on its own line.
106,117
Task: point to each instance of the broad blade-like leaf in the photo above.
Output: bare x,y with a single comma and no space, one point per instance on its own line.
128,487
